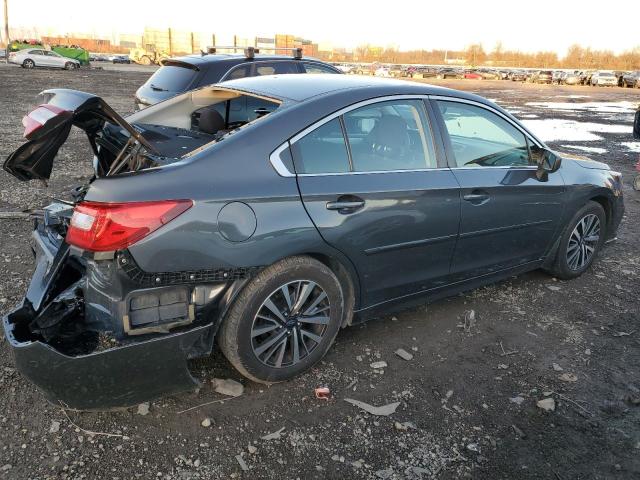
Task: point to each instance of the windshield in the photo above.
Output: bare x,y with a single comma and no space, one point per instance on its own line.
172,78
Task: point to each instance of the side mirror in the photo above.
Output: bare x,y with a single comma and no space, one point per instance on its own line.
548,162
636,125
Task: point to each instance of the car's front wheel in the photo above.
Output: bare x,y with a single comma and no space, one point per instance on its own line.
580,242
69,66
284,320
28,63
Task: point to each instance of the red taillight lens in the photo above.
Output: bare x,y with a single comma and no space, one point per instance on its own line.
41,115
102,227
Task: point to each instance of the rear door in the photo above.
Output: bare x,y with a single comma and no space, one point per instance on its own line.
509,217
371,178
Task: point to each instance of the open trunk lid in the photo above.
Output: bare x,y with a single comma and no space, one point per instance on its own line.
48,126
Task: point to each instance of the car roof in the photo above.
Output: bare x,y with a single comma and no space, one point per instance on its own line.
300,88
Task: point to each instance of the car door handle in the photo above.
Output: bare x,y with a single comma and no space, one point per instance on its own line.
343,205
476,197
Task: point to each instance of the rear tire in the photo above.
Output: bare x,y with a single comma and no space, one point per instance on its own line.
294,339
28,63
580,242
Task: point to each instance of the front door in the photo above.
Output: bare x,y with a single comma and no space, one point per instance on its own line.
370,182
508,216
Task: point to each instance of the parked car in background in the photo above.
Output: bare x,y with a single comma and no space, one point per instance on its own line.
571,78
273,234
603,78
472,75
121,59
38,57
542,76
488,74
631,79
517,75
585,76
557,77
180,74
382,72
425,72
449,73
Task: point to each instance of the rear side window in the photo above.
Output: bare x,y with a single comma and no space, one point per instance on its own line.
322,151
480,138
275,68
172,78
392,135
240,71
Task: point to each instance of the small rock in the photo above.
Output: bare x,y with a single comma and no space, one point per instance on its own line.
517,400
196,463
252,449
384,474
274,436
206,423
401,426
242,463
553,288
473,447
568,377
394,319
557,367
143,409
55,427
519,432
547,404
357,464
6,467
378,365
403,354
503,366
587,351
359,358
228,387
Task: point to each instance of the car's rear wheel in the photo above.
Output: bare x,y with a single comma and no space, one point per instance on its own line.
28,63
284,320
581,241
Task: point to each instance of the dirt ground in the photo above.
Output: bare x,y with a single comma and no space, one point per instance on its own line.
468,398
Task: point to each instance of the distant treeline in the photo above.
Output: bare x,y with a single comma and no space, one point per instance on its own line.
577,57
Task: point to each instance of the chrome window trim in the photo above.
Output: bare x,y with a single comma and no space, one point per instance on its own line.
283,171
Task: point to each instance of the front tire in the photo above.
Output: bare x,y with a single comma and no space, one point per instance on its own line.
581,241
69,66
28,63
284,320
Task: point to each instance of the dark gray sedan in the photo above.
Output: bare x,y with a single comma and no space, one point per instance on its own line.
269,212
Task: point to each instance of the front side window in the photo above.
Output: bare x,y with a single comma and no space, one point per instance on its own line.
480,138
317,68
322,151
392,135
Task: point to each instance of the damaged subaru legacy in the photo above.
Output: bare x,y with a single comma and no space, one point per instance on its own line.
269,212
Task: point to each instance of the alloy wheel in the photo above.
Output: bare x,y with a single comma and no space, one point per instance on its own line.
583,242
290,323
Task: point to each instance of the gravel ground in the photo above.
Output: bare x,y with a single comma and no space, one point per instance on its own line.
467,399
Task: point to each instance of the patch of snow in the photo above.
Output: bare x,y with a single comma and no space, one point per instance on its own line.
586,149
602,107
573,96
529,115
632,146
556,129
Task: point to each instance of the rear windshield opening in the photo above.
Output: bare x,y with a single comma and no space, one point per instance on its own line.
172,78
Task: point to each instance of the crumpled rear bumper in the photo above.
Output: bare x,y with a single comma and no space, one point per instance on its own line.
118,377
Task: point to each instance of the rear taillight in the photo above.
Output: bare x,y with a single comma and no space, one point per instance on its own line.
41,115
102,227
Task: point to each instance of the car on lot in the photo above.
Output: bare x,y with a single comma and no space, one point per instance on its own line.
449,73
121,59
39,57
472,75
517,76
339,198
177,75
631,79
604,78
542,76
571,78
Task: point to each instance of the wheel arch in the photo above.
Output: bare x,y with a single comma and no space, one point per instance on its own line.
605,203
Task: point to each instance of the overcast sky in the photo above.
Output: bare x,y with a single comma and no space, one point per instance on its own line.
526,26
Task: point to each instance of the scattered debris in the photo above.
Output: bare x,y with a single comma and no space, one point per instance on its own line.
252,450
143,409
547,404
383,411
404,426
352,384
503,366
506,354
323,393
557,367
553,288
274,436
473,447
55,427
469,320
228,387
206,422
568,377
378,365
385,474
403,354
519,432
242,463
623,334
517,400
